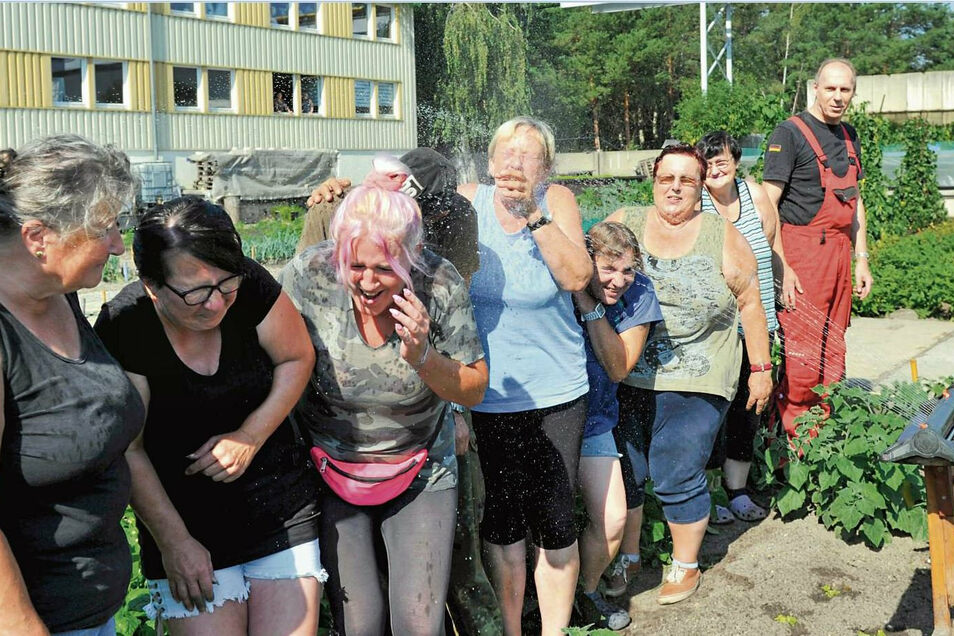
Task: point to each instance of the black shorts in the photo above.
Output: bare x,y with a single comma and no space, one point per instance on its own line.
530,461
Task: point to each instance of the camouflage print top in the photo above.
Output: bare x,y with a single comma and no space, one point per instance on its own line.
366,403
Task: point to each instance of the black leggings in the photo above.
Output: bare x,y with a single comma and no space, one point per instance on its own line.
737,437
409,537
530,461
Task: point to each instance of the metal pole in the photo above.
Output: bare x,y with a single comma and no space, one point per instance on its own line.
728,42
152,84
703,43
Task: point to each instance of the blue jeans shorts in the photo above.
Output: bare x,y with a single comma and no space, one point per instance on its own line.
602,445
232,583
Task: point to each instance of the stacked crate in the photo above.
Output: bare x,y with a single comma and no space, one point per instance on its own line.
206,169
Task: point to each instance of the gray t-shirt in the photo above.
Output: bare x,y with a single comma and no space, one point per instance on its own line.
366,402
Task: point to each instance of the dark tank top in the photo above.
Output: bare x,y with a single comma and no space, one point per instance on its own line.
63,474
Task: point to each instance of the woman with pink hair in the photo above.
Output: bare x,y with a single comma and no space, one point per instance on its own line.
396,341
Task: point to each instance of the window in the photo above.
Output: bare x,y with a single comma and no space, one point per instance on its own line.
378,16
217,10
187,8
110,79
220,89
383,22
386,99
281,14
308,16
185,87
283,93
69,81
311,95
362,98
359,20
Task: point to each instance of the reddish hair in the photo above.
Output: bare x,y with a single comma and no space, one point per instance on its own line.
687,151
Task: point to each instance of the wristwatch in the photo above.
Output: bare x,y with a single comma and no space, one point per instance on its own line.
536,225
598,312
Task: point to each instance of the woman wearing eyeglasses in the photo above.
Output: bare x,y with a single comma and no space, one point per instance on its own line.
225,497
673,402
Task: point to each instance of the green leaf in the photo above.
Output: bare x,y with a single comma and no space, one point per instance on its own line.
847,468
850,517
869,492
797,474
874,532
789,500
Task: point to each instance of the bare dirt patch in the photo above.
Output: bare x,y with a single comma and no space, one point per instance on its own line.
793,578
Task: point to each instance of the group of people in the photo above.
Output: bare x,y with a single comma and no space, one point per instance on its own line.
283,438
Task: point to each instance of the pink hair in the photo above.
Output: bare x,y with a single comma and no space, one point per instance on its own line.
376,210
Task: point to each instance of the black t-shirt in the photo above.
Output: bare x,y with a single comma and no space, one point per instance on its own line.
789,159
65,481
273,505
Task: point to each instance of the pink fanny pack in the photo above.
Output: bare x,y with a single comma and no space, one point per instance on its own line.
367,484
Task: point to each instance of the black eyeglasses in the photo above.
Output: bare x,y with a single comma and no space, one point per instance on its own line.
199,295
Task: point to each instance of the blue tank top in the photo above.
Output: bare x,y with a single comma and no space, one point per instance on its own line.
532,342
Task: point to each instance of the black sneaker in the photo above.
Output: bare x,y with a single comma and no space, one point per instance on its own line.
598,611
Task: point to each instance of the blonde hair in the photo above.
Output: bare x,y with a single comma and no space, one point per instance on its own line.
541,129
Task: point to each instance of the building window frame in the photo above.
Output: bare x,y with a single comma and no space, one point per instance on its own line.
394,101
126,89
371,32
319,110
233,93
319,22
84,84
197,7
228,17
199,91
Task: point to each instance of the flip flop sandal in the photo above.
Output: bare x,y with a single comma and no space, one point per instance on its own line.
747,510
723,516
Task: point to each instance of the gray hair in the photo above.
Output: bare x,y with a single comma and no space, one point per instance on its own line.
66,182
541,129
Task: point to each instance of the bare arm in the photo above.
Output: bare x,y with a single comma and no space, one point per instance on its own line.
187,563
617,352
18,615
790,282
283,336
767,211
561,242
859,239
740,272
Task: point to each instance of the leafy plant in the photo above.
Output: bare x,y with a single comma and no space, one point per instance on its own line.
131,620
739,109
916,197
271,240
599,202
588,631
834,469
926,257
786,619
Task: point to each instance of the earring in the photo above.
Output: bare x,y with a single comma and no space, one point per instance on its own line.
40,253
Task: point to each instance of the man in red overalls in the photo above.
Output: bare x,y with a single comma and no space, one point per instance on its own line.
812,169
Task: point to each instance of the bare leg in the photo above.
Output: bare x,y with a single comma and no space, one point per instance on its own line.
634,525
230,619
507,567
555,575
687,539
284,606
605,500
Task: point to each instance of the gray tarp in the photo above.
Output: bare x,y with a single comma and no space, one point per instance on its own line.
266,175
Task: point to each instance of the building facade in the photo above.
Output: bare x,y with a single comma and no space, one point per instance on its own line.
164,80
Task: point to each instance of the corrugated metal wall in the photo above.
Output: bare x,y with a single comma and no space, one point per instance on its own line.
30,33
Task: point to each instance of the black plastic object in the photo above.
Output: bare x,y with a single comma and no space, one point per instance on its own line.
927,442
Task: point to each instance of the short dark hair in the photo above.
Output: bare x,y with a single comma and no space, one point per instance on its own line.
191,224
687,151
715,142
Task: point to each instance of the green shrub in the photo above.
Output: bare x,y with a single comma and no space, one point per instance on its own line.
914,272
839,475
916,198
598,202
271,240
739,109
131,619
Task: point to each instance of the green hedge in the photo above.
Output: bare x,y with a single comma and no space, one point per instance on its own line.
914,272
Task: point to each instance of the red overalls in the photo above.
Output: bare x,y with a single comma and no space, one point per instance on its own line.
820,253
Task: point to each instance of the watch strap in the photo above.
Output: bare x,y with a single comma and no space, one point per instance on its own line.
762,366
598,312
536,225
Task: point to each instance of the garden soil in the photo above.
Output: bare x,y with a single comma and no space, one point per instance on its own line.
793,577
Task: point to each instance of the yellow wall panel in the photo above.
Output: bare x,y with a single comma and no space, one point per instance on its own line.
252,14
164,94
397,22
254,92
340,96
139,98
161,8
337,19
137,6
25,80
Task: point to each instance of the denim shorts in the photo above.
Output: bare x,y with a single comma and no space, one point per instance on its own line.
106,629
602,445
232,583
